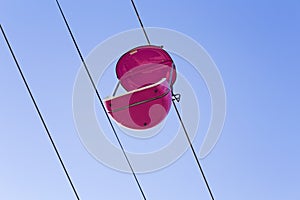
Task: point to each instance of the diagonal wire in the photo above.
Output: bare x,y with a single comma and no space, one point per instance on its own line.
141,23
178,114
193,150
99,98
40,114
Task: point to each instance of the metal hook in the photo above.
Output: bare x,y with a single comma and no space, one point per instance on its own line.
176,97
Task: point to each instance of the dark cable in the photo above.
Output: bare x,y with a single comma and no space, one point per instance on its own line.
177,98
39,113
99,98
192,148
141,23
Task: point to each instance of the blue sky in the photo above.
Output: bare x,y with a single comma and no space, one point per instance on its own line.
255,45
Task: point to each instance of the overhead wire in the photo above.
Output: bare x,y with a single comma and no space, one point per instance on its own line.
192,148
99,98
39,114
140,20
177,97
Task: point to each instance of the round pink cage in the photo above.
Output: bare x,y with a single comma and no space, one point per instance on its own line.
147,73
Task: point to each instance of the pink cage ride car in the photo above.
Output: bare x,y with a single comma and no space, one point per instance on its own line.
147,73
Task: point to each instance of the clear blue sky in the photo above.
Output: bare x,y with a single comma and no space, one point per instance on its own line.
256,47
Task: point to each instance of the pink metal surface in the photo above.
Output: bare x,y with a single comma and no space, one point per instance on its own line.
143,108
143,66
